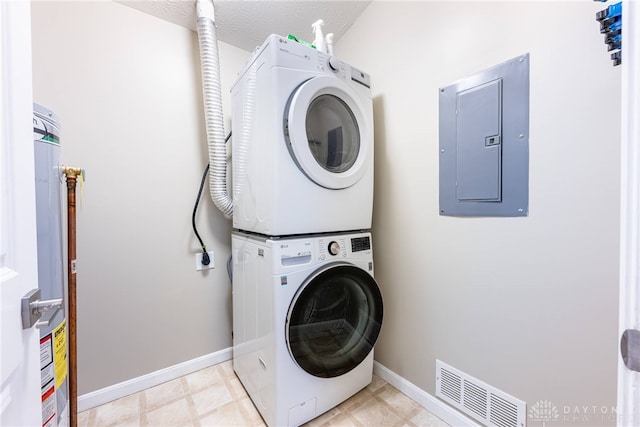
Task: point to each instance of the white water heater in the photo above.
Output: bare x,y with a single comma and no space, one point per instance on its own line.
53,337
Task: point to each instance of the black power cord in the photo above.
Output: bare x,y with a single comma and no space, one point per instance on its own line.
205,256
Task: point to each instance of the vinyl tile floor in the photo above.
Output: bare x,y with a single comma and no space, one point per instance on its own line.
215,397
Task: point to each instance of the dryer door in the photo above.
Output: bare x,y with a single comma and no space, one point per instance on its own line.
327,132
334,320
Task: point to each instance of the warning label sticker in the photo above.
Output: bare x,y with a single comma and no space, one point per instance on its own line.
49,407
46,381
47,374
46,356
60,352
46,360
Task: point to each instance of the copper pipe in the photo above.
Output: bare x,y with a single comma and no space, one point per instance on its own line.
72,175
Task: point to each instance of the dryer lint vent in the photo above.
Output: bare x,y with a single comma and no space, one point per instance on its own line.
480,401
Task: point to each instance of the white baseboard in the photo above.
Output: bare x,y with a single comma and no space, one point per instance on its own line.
135,385
437,407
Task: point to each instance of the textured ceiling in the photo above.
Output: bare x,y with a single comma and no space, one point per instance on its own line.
246,24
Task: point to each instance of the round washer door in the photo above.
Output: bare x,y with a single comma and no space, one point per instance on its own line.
326,132
334,320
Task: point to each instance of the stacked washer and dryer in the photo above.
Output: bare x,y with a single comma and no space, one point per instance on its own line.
306,308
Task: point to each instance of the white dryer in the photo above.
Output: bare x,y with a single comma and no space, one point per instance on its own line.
302,143
306,314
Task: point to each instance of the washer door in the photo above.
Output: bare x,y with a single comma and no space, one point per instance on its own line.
334,320
326,132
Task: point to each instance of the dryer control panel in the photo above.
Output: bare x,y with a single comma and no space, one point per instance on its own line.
343,70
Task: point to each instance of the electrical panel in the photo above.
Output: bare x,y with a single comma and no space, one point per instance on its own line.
484,142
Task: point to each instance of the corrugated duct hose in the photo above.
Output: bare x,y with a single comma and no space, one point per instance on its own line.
211,90
213,107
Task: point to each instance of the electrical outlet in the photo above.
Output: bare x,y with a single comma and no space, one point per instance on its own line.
199,265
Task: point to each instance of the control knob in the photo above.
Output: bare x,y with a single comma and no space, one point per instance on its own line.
334,64
334,248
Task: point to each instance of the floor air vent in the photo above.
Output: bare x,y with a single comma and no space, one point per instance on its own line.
480,401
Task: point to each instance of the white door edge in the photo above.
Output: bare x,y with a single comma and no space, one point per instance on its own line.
20,388
629,381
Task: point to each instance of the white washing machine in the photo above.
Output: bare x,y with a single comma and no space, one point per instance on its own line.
306,314
302,143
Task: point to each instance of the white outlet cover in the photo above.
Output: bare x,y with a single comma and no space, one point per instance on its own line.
199,265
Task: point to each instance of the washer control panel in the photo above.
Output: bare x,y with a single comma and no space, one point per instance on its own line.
336,247
332,247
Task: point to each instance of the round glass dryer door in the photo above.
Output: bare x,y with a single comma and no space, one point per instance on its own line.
334,320
327,134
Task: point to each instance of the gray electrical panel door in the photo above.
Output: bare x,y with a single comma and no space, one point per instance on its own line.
479,157
484,142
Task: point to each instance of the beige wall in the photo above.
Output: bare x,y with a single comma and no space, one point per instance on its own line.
126,87
528,305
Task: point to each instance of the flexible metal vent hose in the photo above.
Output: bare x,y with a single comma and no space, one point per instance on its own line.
213,107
